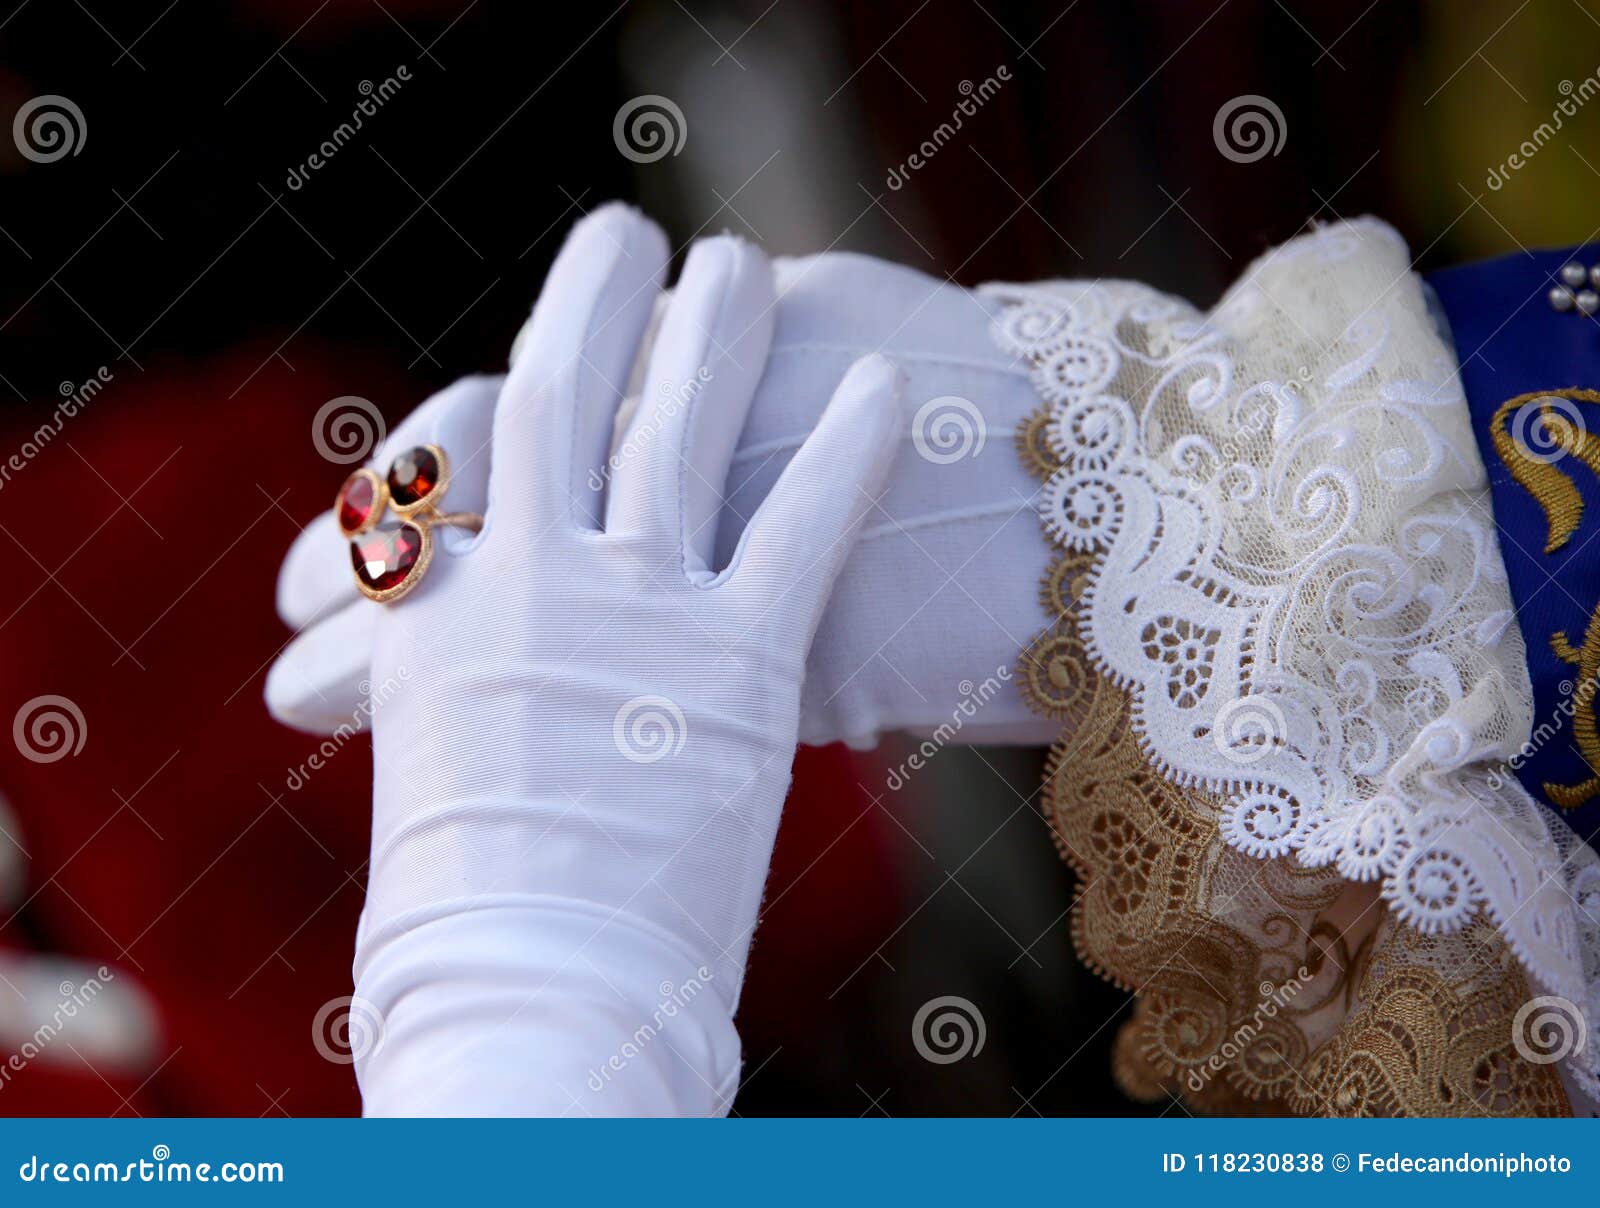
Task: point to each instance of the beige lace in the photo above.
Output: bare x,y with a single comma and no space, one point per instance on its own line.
1263,987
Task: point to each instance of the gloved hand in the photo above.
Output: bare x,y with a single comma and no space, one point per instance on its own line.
940,591
582,724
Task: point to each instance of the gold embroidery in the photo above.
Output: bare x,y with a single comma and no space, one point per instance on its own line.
1383,1020
1540,476
1557,495
1585,730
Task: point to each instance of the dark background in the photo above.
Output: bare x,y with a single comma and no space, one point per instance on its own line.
141,545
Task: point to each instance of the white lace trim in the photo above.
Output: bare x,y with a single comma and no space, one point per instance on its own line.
1301,586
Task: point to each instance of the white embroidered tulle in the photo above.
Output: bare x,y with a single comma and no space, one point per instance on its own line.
1301,587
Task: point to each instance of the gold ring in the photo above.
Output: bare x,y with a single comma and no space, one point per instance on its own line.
390,560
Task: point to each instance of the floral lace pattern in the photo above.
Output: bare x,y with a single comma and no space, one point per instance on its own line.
1264,986
1294,577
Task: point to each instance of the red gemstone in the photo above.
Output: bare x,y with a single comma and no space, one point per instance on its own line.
384,557
413,474
356,500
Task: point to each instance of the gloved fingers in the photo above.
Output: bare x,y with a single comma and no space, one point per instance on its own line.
315,579
554,417
804,530
669,476
320,679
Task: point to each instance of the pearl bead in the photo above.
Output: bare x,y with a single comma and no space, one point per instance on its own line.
1560,298
1588,301
1572,274
1594,275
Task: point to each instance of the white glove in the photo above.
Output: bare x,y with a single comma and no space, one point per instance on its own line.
583,735
940,592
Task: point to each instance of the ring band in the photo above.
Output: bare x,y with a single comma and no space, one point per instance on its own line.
470,521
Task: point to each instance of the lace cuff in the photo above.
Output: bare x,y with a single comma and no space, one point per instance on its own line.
1282,630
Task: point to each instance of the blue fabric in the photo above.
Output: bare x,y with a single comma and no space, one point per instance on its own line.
1510,342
